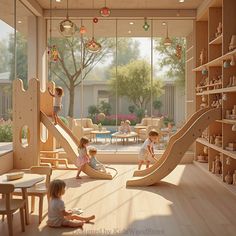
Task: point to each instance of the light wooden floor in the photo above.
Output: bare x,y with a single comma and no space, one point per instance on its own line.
188,203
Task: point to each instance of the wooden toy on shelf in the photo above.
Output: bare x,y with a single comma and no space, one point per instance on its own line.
218,165
231,114
232,44
203,157
219,30
203,56
231,146
234,177
229,178
218,140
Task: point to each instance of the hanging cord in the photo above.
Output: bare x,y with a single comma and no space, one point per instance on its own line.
50,43
152,71
108,167
67,13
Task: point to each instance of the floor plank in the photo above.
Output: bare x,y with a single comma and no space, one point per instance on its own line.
186,203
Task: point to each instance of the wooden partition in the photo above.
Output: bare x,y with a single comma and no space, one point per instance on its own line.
26,117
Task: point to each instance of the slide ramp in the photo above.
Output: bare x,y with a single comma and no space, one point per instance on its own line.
178,149
171,141
70,144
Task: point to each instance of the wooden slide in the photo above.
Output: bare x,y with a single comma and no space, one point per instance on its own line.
178,148
70,144
173,138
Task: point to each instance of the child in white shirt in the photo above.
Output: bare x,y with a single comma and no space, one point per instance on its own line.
147,150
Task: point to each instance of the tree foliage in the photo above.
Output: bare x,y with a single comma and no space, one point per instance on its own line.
175,67
127,51
133,81
4,57
21,57
68,69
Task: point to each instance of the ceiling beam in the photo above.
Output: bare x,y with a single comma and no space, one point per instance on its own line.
124,13
33,6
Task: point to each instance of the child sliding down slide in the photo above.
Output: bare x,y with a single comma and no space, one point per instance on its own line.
93,162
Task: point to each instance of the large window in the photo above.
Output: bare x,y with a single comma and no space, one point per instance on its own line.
129,79
17,27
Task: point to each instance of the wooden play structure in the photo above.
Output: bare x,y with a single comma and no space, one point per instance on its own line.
177,147
32,110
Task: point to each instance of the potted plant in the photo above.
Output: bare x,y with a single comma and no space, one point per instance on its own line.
100,127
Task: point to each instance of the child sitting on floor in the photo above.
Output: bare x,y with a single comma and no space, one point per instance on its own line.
57,215
147,150
94,163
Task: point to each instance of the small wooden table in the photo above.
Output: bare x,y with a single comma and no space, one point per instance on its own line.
96,132
124,136
28,181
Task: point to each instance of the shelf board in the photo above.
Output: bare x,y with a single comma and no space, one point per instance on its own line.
217,40
227,121
216,62
219,149
213,91
206,143
222,90
231,154
204,167
229,89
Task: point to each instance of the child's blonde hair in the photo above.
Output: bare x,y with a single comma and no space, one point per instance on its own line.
92,151
153,133
83,141
127,122
56,188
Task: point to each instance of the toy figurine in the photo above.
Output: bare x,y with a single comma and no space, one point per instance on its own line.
218,165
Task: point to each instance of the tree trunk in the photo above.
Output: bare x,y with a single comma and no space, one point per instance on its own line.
72,99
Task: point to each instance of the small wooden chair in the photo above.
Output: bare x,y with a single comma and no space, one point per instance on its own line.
8,206
39,190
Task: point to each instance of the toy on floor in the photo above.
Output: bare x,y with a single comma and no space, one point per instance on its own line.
57,215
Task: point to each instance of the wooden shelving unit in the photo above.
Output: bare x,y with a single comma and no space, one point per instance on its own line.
219,134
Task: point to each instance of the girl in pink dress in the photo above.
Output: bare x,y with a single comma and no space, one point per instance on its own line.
83,157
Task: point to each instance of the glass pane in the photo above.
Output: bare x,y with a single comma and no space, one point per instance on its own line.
25,39
6,68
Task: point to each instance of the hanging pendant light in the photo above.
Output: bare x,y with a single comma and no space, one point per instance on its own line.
53,53
146,25
82,29
105,11
167,41
92,45
67,28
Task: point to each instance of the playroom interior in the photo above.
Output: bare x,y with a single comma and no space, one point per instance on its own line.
105,78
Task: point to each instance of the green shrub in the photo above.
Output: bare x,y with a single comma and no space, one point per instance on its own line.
5,131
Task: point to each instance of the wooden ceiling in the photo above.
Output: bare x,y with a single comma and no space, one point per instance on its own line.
123,4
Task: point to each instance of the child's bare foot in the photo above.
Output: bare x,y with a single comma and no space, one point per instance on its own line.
88,219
